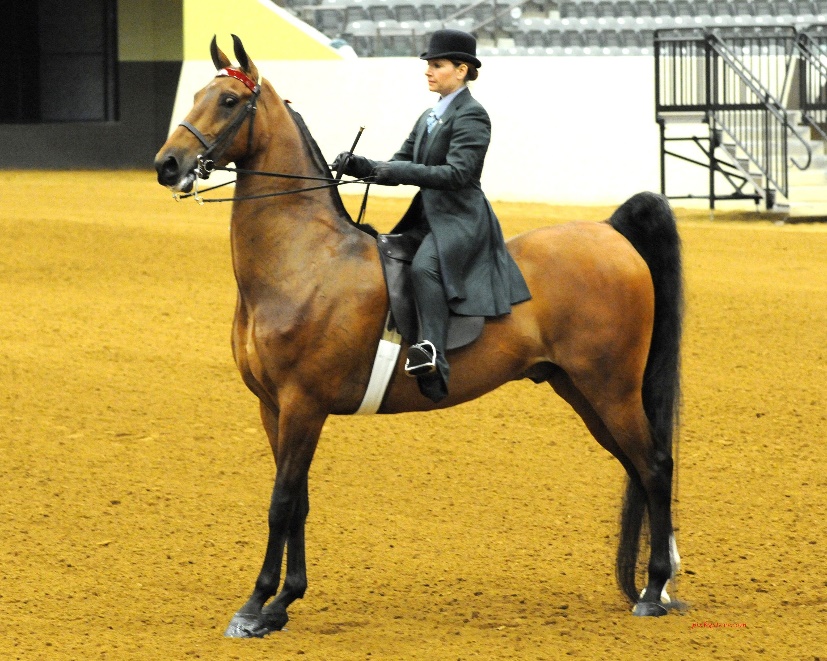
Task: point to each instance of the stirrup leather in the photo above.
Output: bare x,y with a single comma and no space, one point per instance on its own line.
424,359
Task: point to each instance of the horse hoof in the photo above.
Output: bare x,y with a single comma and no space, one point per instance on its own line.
253,626
648,609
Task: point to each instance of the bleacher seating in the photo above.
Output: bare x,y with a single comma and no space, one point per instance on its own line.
538,27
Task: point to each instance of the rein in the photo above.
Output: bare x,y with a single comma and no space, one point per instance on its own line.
208,167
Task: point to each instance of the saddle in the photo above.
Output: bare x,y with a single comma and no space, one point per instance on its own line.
396,252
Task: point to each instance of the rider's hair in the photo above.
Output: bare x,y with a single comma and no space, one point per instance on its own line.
472,74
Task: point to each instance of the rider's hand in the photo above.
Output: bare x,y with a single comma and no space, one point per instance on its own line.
340,161
355,166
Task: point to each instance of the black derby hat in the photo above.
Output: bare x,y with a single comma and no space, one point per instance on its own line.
452,45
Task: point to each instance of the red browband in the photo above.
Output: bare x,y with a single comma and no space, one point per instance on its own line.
239,75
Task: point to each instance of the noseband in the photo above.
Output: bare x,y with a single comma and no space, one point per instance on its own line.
206,160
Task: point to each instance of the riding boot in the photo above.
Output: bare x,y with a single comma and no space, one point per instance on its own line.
432,311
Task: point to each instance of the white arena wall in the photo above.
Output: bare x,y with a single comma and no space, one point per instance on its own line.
566,130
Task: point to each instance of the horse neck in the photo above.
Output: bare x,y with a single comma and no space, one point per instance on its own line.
280,230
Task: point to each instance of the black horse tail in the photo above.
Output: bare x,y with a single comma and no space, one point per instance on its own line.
646,220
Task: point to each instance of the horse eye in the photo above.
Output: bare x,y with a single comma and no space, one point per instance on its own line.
229,101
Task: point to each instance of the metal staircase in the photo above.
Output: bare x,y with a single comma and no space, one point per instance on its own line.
749,106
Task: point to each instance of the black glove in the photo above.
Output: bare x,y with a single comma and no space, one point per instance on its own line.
385,174
340,161
355,166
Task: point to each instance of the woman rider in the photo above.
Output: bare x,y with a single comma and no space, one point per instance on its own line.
462,265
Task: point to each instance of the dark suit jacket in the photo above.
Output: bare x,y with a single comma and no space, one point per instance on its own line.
479,275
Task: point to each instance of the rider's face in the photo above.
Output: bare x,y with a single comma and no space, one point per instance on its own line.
443,77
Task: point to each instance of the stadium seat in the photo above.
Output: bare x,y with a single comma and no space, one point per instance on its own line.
381,10
610,41
363,44
534,9
430,10
406,10
481,12
531,33
722,8
448,9
554,39
356,12
629,39
626,9
743,8
685,8
398,42
644,9
573,39
329,20
604,9
570,10
766,8
664,8
646,39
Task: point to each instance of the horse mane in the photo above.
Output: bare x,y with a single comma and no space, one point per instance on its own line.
320,163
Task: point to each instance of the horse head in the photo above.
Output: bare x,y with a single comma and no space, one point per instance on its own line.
220,128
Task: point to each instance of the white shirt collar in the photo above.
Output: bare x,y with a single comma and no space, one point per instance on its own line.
445,101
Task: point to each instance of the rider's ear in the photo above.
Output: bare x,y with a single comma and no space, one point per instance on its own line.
220,60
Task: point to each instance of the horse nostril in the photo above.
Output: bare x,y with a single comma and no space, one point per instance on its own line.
168,170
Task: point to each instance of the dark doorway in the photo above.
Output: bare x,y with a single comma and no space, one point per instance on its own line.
64,61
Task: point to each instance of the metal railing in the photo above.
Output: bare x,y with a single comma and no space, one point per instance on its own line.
736,79
812,49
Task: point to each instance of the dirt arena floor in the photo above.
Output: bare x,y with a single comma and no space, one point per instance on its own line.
135,476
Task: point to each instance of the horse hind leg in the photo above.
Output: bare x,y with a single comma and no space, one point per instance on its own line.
653,491
623,430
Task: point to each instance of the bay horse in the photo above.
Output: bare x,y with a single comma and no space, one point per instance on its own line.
603,326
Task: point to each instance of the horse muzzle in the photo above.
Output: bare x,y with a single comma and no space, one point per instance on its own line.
173,173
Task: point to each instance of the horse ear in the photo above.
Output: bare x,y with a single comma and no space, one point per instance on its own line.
220,60
243,59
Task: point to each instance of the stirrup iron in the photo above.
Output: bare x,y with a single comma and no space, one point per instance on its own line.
427,352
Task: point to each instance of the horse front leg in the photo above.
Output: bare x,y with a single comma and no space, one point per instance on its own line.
293,446
295,580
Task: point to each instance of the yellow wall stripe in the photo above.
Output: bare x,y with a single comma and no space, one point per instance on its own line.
268,31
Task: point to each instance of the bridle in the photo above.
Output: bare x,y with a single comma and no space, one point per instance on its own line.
206,160
212,151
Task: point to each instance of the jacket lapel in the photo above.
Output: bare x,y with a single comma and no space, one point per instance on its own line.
421,137
428,139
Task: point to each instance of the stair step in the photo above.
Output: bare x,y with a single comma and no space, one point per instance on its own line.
808,194
808,210
680,117
809,177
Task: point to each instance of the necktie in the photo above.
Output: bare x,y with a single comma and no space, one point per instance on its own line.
431,120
